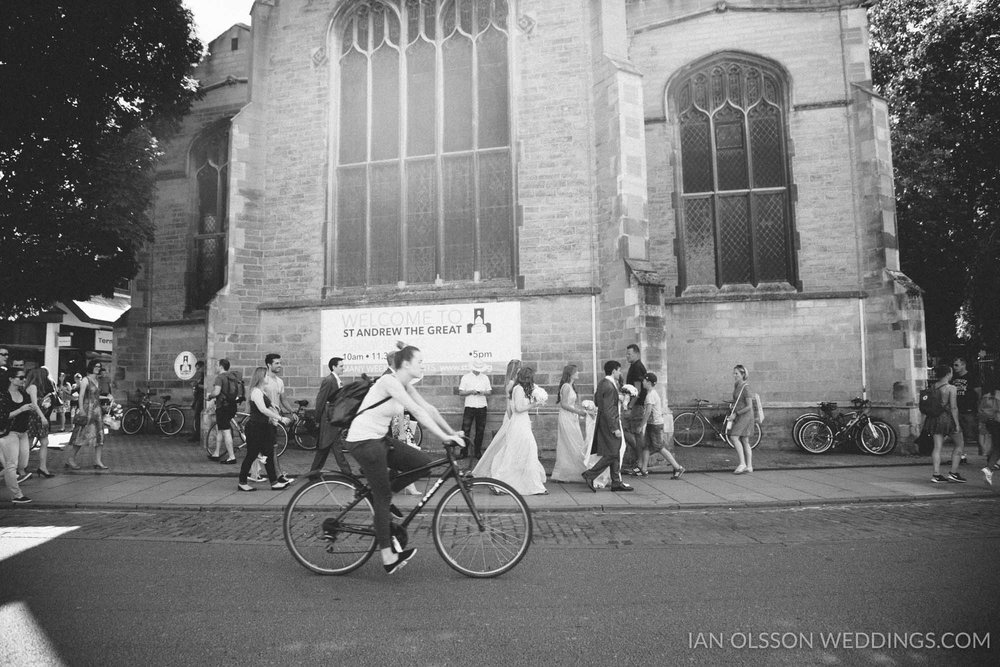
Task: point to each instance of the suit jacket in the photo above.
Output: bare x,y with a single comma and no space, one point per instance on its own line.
328,433
606,443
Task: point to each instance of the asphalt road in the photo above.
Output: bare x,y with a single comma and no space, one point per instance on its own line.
747,586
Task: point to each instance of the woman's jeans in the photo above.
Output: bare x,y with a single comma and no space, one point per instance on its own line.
260,440
375,458
9,445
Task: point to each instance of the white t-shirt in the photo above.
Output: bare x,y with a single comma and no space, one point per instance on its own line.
273,388
655,408
473,382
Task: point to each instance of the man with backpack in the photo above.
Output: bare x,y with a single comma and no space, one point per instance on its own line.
330,436
226,392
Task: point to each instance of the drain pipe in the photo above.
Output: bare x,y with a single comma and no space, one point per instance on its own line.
593,337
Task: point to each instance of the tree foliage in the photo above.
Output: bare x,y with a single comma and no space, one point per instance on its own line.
88,88
938,64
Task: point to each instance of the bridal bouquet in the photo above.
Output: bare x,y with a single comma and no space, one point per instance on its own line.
589,406
539,395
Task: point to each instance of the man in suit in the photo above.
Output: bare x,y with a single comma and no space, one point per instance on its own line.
608,431
329,435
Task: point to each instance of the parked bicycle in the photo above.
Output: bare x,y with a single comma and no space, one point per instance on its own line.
238,426
169,418
482,527
689,427
817,433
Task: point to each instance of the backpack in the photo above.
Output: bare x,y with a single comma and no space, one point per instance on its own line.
930,402
758,409
233,389
989,408
346,402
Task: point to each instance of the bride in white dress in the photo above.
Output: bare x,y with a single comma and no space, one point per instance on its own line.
512,457
571,450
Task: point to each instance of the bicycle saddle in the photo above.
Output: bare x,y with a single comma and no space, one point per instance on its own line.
702,401
828,406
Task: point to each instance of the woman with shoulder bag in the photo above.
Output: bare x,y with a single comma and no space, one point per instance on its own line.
41,393
88,423
739,423
13,414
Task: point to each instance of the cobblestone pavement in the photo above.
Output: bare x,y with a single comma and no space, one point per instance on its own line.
956,519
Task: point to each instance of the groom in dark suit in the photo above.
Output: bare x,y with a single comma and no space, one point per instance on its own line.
329,435
608,431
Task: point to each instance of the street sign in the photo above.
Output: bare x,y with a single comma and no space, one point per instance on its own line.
184,365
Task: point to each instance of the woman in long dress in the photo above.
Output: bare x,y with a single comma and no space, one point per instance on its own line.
88,423
741,419
571,451
512,457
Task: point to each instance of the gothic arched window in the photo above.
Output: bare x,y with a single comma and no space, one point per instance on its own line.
734,222
210,172
424,175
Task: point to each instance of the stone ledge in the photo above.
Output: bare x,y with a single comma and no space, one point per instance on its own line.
402,296
730,297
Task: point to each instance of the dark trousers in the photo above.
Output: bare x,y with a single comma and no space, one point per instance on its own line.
260,440
477,415
608,461
994,430
337,447
375,458
198,407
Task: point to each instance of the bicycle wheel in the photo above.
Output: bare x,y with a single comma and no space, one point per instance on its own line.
891,437
170,421
418,434
797,426
210,438
688,429
816,436
755,440
132,421
499,544
350,524
305,437
870,438
280,440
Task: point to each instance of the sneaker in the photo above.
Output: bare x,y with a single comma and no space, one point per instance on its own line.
749,469
23,477
955,477
228,462
256,478
740,469
245,487
938,479
289,480
677,473
996,466
400,563
279,485
988,474
23,500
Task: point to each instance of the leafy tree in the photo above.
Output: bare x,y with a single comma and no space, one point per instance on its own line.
88,87
938,64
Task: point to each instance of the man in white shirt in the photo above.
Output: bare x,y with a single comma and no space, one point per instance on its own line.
475,387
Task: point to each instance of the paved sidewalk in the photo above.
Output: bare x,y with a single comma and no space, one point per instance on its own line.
151,472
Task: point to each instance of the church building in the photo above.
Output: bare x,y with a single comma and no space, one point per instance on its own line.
548,180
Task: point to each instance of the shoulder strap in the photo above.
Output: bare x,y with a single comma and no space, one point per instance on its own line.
732,413
373,405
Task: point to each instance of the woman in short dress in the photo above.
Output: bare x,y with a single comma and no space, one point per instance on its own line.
41,392
741,417
512,456
88,423
571,451
944,425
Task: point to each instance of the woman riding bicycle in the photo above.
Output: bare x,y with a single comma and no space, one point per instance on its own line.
376,452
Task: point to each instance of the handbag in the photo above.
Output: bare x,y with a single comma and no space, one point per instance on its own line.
732,413
924,443
79,419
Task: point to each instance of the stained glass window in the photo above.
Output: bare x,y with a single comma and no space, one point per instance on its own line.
210,172
424,175
735,221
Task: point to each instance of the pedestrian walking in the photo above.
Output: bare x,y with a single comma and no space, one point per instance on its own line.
20,410
968,390
632,413
512,456
64,389
371,447
571,449
475,387
330,436
88,424
652,429
42,394
740,422
989,417
198,401
225,395
942,422
609,440
11,410
260,433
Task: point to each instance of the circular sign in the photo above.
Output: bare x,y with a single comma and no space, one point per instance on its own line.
184,365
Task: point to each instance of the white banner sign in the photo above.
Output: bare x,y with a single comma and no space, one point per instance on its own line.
449,335
103,340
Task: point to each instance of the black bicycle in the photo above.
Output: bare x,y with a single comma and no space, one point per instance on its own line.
482,527
169,418
818,433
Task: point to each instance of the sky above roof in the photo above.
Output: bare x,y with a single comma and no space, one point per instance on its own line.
213,17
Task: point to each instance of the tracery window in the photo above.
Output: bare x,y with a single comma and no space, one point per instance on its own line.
210,172
734,222
424,176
